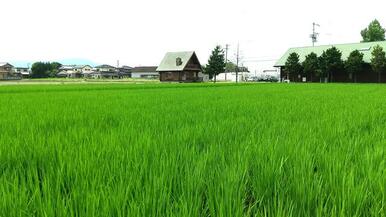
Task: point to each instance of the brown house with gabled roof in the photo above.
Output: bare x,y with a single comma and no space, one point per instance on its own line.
180,67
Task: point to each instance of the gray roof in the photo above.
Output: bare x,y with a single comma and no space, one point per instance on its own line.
5,63
169,61
144,69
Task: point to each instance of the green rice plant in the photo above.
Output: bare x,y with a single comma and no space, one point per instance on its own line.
193,150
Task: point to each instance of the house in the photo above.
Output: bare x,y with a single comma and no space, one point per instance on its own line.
367,75
105,71
7,72
75,71
147,72
180,67
24,72
125,71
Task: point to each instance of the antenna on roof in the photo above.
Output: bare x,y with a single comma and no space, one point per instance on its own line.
314,36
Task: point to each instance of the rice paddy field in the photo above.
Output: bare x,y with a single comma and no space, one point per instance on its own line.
193,150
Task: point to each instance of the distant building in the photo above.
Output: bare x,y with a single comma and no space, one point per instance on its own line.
125,71
146,72
24,72
180,67
367,75
7,72
105,71
75,71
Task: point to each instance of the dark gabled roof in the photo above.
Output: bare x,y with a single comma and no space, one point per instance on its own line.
144,69
168,63
2,64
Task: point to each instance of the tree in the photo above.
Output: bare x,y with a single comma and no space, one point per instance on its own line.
54,69
45,69
311,65
374,32
230,66
216,63
331,63
292,65
378,61
354,63
40,70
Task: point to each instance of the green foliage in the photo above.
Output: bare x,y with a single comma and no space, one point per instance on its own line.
378,61
159,150
374,32
354,63
292,65
216,63
331,62
45,69
54,69
231,67
311,65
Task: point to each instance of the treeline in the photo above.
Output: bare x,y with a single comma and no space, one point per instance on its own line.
45,69
330,63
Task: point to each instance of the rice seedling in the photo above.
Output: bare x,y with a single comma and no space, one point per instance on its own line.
193,150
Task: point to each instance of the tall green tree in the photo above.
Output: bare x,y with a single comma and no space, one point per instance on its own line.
54,69
374,32
331,63
45,69
354,64
311,65
40,70
216,63
292,65
378,61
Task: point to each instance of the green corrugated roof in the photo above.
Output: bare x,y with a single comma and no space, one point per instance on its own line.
169,61
346,49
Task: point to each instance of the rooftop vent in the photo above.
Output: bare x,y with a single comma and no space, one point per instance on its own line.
178,61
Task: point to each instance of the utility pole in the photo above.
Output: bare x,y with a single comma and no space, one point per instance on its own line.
237,62
314,35
226,60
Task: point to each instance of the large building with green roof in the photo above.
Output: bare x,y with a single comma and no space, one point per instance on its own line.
346,49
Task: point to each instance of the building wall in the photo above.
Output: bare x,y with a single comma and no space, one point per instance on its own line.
231,76
181,76
5,72
144,74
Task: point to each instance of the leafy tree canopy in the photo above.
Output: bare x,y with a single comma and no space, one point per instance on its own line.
378,61
374,32
354,62
292,65
45,69
311,64
331,61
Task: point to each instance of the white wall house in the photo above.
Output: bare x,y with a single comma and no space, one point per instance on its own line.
74,71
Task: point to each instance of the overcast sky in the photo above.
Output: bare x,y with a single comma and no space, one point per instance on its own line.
139,32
